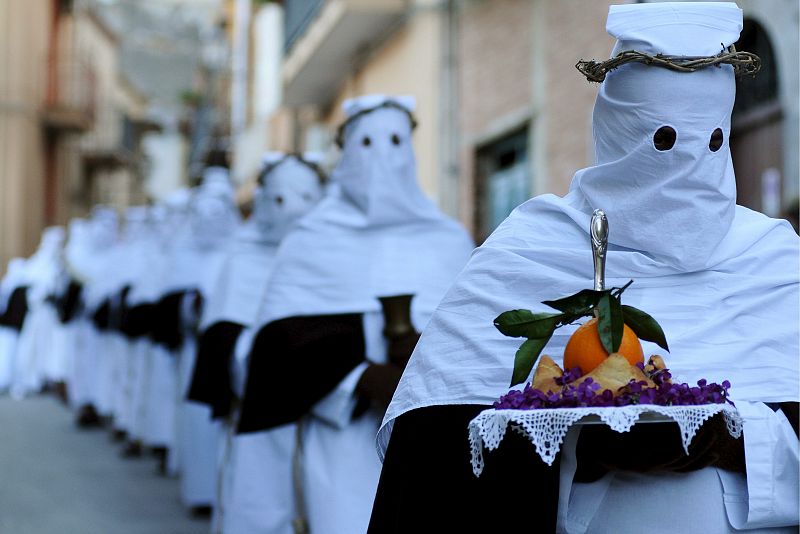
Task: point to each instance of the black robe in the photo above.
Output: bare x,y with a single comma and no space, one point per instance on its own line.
137,321
69,303
16,309
211,378
167,328
101,317
427,483
294,363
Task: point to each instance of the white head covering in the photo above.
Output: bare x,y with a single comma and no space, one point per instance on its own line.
78,250
213,212
151,256
289,188
14,278
648,194
199,247
103,245
239,292
379,236
130,258
176,223
378,170
104,224
43,268
729,308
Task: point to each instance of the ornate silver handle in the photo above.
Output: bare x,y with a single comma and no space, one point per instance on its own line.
599,234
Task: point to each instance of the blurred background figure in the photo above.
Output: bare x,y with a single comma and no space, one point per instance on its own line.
32,365
213,221
349,286
254,470
86,257
13,309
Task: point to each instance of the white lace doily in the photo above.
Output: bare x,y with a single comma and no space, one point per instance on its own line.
547,427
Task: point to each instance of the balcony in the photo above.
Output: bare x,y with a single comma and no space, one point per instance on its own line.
325,39
69,106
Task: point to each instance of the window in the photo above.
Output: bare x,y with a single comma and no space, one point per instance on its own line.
756,140
502,180
753,92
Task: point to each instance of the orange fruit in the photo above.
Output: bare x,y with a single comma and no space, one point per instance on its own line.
585,350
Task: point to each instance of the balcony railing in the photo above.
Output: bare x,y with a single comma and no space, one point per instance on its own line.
298,15
70,103
325,39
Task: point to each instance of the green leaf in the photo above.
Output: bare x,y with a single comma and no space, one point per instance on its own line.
610,322
644,326
524,323
526,356
578,304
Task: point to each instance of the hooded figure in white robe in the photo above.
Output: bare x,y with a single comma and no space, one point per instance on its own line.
65,299
94,365
35,342
720,279
81,257
171,233
213,221
70,305
254,469
13,308
320,356
146,253
129,344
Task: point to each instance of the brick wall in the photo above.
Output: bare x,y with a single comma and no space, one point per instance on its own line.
516,64
576,30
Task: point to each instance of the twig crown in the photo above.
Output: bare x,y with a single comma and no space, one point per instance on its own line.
744,63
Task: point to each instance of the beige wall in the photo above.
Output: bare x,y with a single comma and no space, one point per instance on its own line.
24,34
408,63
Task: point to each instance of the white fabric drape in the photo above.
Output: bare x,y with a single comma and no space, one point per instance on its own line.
375,235
721,279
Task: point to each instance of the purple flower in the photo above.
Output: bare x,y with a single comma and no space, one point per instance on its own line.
588,393
569,376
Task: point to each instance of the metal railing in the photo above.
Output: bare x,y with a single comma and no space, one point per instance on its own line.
298,15
71,94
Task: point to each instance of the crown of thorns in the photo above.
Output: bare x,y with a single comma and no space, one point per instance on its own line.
744,63
388,104
262,176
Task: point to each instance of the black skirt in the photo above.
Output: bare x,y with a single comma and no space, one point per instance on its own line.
294,363
427,483
211,378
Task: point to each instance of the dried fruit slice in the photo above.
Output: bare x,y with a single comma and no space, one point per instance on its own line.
544,379
614,373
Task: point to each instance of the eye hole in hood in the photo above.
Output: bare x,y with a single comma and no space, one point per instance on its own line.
664,138
716,140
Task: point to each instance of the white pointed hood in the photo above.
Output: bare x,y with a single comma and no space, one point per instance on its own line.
42,269
103,230
675,204
213,213
202,235
378,171
289,187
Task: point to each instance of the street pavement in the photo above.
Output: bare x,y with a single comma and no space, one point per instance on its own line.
56,478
